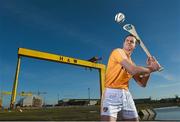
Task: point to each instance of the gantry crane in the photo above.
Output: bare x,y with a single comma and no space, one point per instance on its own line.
23,52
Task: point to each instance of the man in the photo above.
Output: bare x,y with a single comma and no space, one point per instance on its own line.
116,99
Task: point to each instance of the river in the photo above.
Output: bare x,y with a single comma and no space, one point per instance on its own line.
168,113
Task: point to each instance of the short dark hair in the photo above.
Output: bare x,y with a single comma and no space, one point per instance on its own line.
137,41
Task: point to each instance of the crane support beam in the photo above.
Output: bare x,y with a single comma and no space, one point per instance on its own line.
58,58
15,84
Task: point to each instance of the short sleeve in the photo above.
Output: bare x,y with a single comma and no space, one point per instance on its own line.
118,55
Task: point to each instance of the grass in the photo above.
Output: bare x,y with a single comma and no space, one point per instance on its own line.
76,113
66,113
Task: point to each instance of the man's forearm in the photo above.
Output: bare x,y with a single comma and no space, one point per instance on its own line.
141,70
133,69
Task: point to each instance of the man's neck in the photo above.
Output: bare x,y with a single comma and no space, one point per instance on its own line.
128,53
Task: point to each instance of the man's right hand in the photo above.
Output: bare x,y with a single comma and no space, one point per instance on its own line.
152,64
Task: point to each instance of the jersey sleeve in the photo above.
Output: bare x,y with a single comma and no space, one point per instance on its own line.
118,55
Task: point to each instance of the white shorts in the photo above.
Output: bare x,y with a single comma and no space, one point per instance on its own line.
118,103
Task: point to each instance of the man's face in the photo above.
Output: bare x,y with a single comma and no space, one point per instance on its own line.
129,43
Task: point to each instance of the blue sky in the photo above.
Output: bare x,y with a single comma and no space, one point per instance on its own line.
83,29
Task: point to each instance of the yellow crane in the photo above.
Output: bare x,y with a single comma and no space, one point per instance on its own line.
3,93
91,63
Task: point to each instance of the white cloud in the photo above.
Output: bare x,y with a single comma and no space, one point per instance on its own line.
166,76
170,80
168,85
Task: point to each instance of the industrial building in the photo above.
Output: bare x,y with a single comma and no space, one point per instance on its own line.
30,101
73,102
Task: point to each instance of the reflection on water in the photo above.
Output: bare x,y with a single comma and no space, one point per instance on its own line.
168,113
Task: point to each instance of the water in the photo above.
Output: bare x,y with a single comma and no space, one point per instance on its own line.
168,113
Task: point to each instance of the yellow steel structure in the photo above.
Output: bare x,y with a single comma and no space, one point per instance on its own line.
10,93
23,52
19,94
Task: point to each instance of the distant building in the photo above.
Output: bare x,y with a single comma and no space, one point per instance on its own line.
69,102
93,102
143,100
31,101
